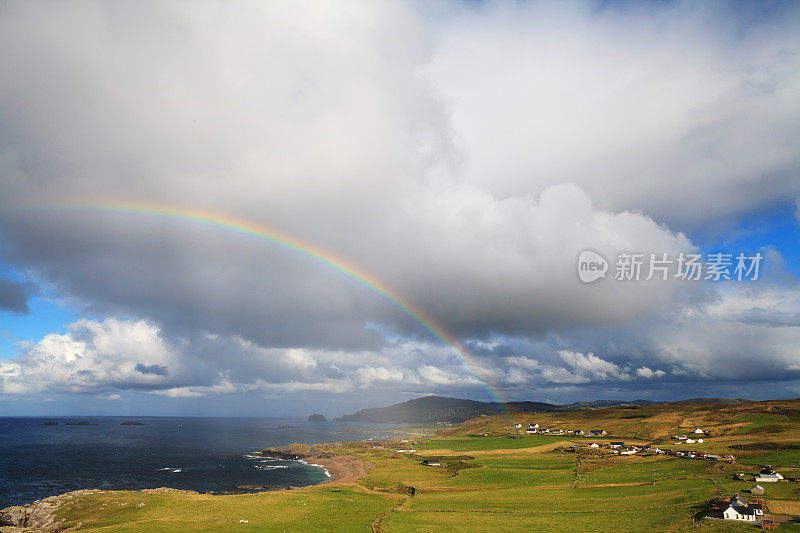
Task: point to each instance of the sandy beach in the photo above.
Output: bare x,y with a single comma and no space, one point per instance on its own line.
343,468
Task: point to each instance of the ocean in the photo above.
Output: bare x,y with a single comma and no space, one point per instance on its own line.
202,454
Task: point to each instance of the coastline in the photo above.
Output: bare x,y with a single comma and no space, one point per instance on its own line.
38,515
343,468
338,468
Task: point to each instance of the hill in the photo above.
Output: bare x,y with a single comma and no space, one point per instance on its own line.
463,480
740,421
434,409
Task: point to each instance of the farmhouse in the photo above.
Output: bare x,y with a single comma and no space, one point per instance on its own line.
431,462
593,445
616,444
758,489
769,478
597,432
517,426
739,509
699,431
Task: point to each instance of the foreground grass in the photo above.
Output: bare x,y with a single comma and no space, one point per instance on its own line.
501,482
328,508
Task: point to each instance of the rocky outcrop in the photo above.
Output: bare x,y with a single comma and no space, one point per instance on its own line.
280,453
317,418
168,490
36,516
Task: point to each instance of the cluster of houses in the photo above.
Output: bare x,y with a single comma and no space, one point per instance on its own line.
534,429
620,449
683,439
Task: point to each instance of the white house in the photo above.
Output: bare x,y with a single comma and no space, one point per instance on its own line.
768,475
699,441
690,441
593,445
739,509
699,431
768,478
517,426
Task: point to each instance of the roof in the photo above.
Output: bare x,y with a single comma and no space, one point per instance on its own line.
738,500
743,509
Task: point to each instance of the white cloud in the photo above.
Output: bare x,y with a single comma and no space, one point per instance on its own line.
657,109
113,396
649,373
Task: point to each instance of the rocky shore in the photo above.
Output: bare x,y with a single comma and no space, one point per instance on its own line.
342,468
36,516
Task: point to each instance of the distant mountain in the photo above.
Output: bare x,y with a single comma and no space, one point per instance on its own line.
432,409
714,400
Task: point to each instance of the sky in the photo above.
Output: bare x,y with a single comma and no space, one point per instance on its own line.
419,181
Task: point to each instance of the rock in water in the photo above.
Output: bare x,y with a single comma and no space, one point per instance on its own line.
317,418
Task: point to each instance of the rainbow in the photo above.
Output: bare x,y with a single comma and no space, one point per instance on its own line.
318,254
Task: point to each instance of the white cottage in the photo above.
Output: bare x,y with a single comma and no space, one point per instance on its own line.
739,509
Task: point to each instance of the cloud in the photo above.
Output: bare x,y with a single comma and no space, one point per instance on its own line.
158,370
363,130
14,295
657,109
113,396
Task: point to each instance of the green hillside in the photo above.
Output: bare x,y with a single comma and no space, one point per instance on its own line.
508,481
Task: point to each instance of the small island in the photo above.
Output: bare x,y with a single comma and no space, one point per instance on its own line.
317,418
132,423
49,423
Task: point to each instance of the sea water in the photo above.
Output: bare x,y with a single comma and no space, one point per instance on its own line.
202,454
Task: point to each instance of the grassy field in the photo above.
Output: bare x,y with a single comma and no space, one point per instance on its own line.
507,482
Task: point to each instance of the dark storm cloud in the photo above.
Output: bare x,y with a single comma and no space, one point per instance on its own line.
158,370
14,295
